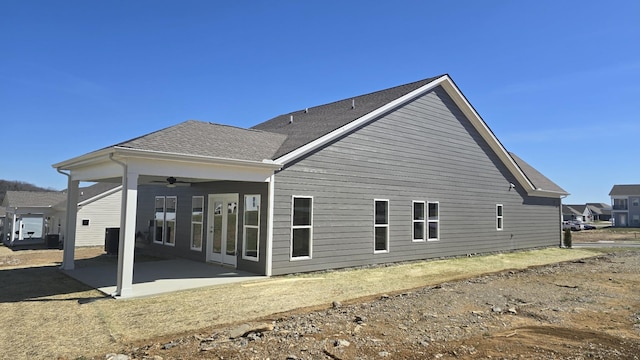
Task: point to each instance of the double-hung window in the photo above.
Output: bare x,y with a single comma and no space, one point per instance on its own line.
499,217
197,207
165,220
301,227
433,221
419,221
251,228
381,226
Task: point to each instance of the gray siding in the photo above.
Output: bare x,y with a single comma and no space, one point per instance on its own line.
145,213
426,150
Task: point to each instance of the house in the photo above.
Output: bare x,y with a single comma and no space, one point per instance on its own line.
569,213
30,216
579,212
3,215
98,209
625,205
600,211
34,214
407,173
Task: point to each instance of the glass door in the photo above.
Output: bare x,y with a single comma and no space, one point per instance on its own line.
222,225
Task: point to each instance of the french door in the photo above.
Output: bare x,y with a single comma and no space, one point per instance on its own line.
222,228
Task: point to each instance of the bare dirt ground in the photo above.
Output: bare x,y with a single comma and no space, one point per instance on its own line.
586,308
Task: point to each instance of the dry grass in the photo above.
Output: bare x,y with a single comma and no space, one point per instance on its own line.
607,234
51,315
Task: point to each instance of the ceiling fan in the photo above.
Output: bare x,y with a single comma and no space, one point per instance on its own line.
173,182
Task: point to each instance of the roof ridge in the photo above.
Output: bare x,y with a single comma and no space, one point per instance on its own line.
429,79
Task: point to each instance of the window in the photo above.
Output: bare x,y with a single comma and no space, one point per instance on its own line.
433,220
635,201
381,226
302,227
85,222
251,237
636,220
165,220
197,205
499,217
419,221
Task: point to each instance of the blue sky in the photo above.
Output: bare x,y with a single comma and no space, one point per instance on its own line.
557,81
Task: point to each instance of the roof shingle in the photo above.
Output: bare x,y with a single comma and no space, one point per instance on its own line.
621,190
315,122
211,140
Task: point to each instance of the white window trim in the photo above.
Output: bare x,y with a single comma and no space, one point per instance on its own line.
414,221
293,227
197,222
437,221
163,241
386,250
245,227
164,212
499,218
175,221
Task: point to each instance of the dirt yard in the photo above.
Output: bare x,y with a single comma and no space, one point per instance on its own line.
584,309
585,304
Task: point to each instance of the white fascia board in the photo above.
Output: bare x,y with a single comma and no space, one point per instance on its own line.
100,196
122,153
79,161
482,127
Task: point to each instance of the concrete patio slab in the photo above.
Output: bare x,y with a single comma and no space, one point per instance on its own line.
159,277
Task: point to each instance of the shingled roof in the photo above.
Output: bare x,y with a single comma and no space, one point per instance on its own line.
538,180
314,122
210,140
33,198
622,190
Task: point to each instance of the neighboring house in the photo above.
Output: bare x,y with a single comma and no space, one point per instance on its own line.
98,209
407,173
625,205
600,211
581,213
569,213
3,215
34,214
30,215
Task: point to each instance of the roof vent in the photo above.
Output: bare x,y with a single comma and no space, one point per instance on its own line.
353,103
291,119
306,110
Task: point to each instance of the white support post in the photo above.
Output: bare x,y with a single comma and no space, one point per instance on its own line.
127,245
72,217
13,227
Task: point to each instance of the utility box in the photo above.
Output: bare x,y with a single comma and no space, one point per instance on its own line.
52,241
111,240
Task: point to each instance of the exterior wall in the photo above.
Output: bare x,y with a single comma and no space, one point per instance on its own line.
629,216
102,213
426,151
182,248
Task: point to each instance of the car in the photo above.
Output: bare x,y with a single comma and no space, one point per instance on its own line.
573,225
588,227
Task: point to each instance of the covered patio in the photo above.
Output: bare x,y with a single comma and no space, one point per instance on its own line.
159,276
188,154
